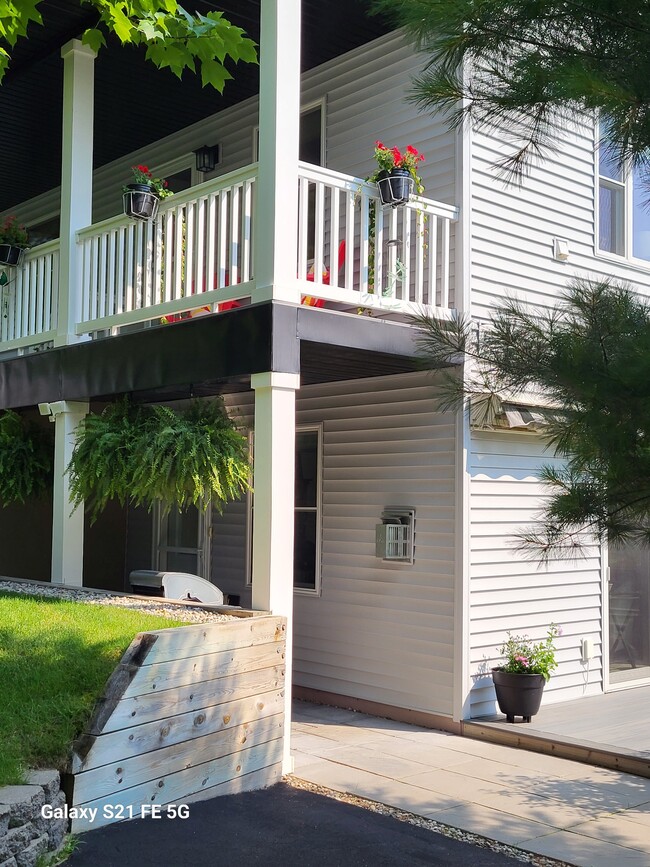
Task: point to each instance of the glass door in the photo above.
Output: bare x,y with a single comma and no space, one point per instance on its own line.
629,613
183,537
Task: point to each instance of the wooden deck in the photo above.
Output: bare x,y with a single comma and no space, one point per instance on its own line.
609,730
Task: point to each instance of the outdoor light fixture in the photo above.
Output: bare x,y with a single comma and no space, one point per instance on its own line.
207,157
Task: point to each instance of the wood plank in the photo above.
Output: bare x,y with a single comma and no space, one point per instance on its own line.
126,773
262,779
178,786
91,751
169,675
187,641
193,697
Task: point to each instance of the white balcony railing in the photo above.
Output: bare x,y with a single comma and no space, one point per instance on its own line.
29,298
196,253
352,254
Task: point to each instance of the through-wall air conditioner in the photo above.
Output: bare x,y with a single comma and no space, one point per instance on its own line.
395,536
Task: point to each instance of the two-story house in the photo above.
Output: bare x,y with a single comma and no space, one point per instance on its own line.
308,283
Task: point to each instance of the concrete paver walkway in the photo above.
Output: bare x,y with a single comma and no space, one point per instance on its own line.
587,816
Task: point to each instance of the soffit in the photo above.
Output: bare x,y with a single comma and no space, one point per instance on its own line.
135,103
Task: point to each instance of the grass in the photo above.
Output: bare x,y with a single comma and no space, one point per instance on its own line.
55,657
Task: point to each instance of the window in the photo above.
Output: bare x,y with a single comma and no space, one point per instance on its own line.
307,510
623,207
312,135
306,542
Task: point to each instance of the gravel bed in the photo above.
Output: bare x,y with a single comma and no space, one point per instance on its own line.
429,824
172,611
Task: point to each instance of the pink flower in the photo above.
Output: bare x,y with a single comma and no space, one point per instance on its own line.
522,660
381,147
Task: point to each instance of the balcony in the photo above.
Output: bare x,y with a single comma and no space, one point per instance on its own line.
197,258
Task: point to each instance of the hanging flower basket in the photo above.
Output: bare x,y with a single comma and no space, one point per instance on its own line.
11,255
395,187
140,202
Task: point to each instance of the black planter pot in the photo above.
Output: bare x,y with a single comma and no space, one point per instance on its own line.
140,202
395,187
518,694
10,255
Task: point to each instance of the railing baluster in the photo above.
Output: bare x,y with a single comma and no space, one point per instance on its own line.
211,243
47,293
148,270
235,229
433,260
112,259
403,271
179,230
334,236
202,284
379,246
349,241
190,287
364,288
303,224
130,269
420,220
444,266
40,285
101,278
119,269
223,239
247,225
319,232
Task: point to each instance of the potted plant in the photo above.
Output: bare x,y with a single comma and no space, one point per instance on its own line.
520,681
396,174
142,195
13,241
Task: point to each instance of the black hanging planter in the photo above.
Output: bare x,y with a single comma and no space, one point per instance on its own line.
518,694
140,202
11,255
395,187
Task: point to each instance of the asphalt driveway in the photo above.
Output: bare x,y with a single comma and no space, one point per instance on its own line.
281,825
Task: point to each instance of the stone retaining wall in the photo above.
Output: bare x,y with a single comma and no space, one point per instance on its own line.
24,833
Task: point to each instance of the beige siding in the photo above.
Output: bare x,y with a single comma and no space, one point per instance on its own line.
509,592
378,631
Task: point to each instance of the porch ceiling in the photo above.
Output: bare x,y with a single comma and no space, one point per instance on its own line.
134,103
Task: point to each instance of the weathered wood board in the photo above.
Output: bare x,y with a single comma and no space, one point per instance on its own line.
188,713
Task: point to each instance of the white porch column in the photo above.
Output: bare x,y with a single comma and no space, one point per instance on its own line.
276,222
273,483
67,528
76,178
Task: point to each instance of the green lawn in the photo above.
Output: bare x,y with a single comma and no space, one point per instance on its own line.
55,657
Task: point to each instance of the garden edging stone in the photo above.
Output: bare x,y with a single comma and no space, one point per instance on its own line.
24,833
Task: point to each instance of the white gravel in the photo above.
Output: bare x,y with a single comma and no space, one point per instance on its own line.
160,607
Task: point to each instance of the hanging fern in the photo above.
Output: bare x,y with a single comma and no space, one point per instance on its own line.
158,454
26,459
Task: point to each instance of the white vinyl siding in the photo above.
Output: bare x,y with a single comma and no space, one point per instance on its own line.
513,226
379,631
508,591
